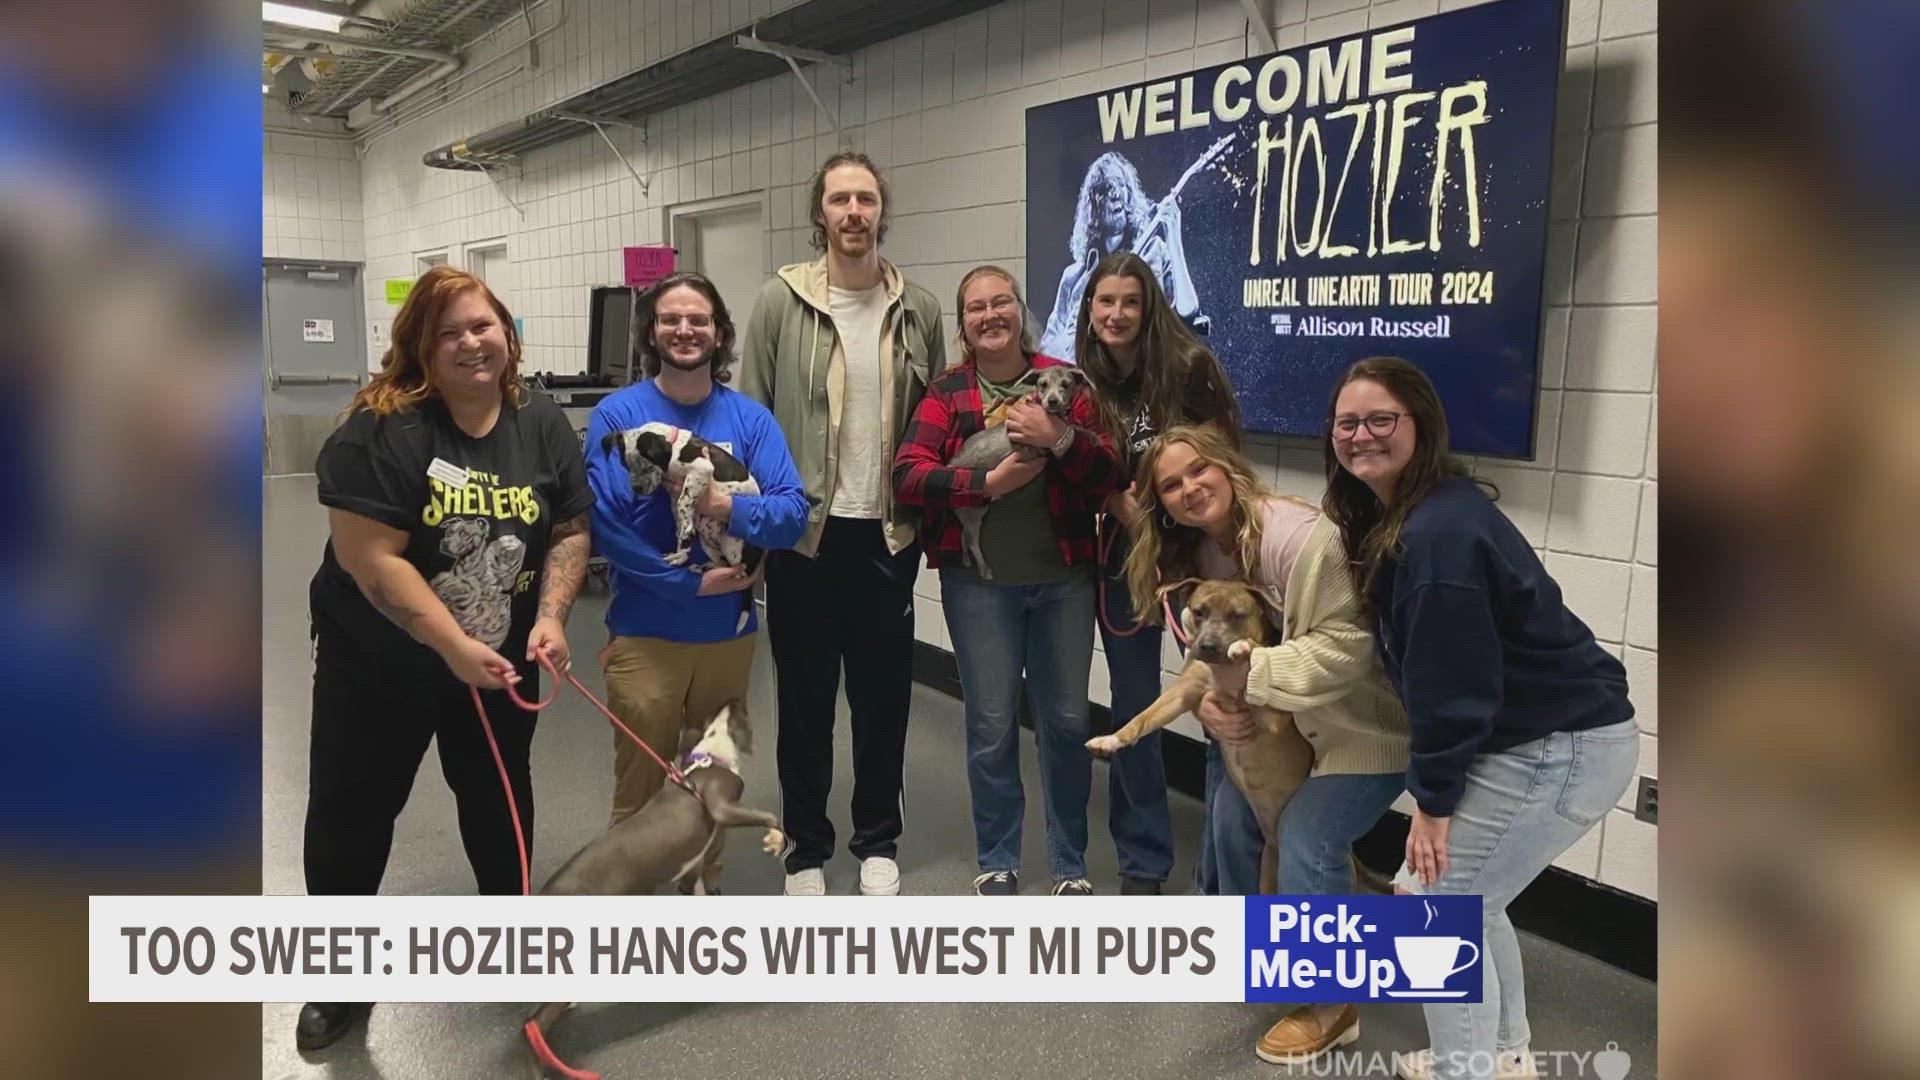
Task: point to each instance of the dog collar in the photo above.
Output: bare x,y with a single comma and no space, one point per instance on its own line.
698,760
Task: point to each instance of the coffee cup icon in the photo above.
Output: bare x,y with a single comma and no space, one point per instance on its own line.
1428,962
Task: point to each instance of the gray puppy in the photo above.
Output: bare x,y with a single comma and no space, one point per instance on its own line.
673,838
1054,388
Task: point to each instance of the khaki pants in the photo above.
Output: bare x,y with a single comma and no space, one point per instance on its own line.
659,688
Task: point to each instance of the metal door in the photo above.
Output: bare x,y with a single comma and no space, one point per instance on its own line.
731,254
723,239
316,357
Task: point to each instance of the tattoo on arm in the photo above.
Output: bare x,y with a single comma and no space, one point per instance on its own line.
412,620
566,568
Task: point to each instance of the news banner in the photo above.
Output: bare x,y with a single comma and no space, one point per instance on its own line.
748,948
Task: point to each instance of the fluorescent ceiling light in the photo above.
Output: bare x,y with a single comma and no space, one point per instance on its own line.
293,16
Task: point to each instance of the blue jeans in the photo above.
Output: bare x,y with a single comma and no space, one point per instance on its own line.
1320,824
1137,813
1230,837
1521,809
1317,831
998,632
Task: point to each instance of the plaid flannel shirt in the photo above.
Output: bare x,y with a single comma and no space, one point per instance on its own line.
1078,481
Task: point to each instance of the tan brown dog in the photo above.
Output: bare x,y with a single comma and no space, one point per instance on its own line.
1224,621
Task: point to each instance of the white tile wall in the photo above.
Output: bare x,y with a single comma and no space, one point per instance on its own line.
310,192
942,108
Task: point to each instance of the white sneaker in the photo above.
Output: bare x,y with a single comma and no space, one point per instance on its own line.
1516,1064
808,882
879,876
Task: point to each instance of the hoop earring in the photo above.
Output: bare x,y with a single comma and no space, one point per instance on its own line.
1166,521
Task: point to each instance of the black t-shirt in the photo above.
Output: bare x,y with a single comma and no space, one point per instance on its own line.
481,545
1141,427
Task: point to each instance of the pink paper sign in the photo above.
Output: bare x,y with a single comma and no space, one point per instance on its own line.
647,265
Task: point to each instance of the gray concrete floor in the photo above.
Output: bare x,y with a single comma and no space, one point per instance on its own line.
1576,1003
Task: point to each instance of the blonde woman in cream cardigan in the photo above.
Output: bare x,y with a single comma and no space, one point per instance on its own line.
1210,518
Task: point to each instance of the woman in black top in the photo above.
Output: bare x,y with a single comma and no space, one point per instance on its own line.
458,509
1148,373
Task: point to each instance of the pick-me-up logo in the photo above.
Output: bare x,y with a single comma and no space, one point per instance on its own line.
1363,948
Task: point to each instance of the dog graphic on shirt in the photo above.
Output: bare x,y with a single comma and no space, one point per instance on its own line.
478,589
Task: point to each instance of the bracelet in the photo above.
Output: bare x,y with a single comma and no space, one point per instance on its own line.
1060,446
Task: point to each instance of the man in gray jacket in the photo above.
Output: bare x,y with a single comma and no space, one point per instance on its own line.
841,350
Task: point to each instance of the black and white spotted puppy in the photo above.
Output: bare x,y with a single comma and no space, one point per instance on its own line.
656,453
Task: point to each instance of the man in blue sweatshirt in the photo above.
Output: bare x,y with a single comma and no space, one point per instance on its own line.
682,640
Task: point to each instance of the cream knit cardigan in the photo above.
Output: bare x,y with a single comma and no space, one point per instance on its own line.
1325,671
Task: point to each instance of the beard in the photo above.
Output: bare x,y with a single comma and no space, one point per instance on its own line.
853,243
667,359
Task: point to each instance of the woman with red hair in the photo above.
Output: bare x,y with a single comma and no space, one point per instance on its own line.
458,509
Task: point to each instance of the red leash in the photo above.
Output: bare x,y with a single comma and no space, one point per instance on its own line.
536,1040
1103,546
506,783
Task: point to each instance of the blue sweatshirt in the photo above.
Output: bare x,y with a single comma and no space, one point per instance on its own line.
650,598
1476,639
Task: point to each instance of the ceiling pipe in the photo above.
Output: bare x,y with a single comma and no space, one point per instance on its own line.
432,78
368,44
444,69
344,136
387,104
446,63
325,54
348,94
394,120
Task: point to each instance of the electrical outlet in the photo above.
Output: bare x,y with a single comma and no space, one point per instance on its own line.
1646,803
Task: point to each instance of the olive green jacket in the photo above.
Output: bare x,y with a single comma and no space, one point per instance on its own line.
794,365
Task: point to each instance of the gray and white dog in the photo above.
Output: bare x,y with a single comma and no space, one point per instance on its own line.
656,453
1053,388
673,838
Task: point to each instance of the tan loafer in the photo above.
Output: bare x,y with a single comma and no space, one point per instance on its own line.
1298,1037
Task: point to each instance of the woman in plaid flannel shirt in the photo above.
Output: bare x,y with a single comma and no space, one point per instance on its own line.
1036,615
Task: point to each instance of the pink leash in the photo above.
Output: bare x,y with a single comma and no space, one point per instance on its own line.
1105,548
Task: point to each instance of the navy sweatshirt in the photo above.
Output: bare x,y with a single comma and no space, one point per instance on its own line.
1480,646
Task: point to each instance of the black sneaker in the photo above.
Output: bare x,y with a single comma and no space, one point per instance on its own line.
1139,886
322,1023
1073,887
997,883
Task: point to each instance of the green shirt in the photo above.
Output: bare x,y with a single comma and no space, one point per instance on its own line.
1017,534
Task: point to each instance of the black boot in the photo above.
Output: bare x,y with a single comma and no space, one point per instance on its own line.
322,1023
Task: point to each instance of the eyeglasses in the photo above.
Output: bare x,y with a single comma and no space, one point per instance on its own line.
672,321
1379,425
1000,304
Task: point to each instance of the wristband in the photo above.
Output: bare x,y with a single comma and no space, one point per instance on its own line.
1060,446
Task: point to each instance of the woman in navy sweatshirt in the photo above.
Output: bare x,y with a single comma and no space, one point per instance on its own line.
1522,734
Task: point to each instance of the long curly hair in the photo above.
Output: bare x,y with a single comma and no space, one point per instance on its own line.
723,331
1181,381
1370,530
1166,552
406,372
1110,171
